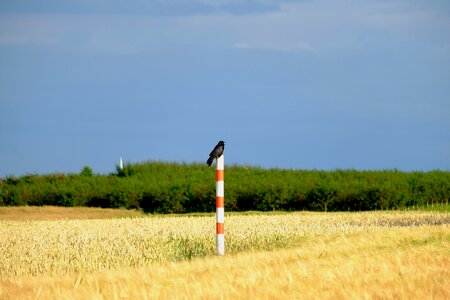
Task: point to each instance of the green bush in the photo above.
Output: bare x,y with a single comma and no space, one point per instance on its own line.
161,187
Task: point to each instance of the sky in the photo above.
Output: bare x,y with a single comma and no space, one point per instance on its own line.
311,84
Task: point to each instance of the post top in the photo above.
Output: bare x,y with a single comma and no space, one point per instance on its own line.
220,163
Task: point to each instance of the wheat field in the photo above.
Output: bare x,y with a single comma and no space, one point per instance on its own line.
297,255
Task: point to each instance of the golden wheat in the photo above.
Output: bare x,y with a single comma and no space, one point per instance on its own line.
71,246
34,213
387,263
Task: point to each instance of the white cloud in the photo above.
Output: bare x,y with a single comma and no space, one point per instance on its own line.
81,33
241,45
299,46
312,26
28,30
324,25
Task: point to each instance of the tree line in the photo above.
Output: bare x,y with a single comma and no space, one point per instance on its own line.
163,187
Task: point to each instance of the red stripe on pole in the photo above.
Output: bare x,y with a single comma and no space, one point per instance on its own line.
220,228
220,202
219,175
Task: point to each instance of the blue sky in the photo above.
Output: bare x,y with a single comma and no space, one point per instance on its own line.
313,84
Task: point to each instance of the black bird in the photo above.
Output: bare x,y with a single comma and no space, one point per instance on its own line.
216,153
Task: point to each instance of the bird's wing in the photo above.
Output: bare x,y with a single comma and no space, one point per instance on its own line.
214,152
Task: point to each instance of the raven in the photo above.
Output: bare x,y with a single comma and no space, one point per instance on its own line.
216,153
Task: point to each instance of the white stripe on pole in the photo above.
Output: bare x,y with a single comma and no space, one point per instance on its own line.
220,163
220,244
220,215
220,189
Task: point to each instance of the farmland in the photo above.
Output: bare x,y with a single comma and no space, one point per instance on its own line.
289,234
400,254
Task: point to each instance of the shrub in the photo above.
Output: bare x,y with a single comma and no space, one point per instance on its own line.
176,188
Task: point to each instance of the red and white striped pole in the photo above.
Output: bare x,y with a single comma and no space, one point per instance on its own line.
220,216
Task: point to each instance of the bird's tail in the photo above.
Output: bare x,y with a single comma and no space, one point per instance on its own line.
210,160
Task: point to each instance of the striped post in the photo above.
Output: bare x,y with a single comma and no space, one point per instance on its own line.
220,217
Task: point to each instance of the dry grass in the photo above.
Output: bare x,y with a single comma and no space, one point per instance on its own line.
389,263
34,213
70,246
370,255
